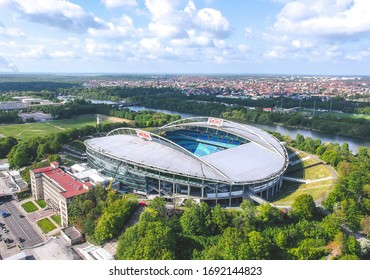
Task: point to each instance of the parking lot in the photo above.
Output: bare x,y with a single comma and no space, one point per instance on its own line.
21,231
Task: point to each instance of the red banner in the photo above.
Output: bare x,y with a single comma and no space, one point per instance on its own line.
215,122
144,135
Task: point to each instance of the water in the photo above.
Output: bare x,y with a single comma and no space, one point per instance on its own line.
353,143
141,108
95,101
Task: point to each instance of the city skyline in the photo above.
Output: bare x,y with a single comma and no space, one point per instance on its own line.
207,36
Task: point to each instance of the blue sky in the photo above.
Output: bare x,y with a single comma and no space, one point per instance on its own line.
330,37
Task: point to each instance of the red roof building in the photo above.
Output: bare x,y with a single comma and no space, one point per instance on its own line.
57,188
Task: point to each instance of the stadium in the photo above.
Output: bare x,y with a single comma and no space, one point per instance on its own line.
206,159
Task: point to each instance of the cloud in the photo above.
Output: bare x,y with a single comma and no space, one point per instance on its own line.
8,65
212,21
111,4
63,54
324,19
121,27
188,25
56,13
10,32
36,52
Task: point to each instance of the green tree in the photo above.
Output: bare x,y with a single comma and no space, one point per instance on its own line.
303,207
259,246
309,249
147,240
196,220
332,225
159,205
219,218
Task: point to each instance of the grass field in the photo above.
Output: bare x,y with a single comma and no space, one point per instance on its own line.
28,130
304,170
46,225
41,203
293,190
57,219
29,207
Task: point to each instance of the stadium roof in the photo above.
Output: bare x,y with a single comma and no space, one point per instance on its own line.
262,158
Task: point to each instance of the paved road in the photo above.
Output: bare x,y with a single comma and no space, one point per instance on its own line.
20,227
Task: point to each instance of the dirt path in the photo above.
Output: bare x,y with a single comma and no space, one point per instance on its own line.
28,128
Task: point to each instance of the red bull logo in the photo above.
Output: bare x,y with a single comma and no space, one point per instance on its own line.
215,122
144,135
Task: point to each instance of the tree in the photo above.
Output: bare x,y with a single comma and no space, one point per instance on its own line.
196,220
352,246
113,220
147,240
259,246
159,205
309,249
6,144
303,207
331,225
219,218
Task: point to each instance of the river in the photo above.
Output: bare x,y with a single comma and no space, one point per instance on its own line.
353,143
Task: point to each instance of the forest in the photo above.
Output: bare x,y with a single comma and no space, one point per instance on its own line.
244,109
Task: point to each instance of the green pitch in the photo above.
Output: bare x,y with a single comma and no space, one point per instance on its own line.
28,130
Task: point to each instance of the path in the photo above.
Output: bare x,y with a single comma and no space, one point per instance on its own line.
28,128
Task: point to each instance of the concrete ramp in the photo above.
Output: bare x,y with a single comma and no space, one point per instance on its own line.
256,198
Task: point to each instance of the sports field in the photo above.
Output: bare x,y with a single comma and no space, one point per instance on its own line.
24,131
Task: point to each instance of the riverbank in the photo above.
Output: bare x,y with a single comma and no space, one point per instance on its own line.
354,143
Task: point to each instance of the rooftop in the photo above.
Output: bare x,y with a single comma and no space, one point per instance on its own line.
257,160
71,186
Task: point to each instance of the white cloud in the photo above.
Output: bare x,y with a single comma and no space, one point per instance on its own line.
211,20
248,31
4,63
56,13
329,18
10,32
36,52
272,54
119,3
150,43
121,27
63,54
188,25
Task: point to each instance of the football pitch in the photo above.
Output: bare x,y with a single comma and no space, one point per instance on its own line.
28,130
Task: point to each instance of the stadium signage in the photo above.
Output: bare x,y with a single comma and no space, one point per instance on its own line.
215,122
144,135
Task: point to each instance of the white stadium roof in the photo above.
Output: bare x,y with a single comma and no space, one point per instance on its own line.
262,158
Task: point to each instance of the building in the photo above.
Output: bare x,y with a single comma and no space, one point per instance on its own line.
57,188
206,159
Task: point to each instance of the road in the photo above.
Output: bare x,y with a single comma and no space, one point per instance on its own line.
20,227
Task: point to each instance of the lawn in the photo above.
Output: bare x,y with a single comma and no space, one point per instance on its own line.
57,219
28,130
291,190
41,203
29,207
311,173
46,225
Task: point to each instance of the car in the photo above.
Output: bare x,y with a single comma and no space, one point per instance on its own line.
21,216
21,240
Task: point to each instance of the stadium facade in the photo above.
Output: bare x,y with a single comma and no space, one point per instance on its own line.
206,159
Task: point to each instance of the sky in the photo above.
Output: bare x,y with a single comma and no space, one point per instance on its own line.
315,37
